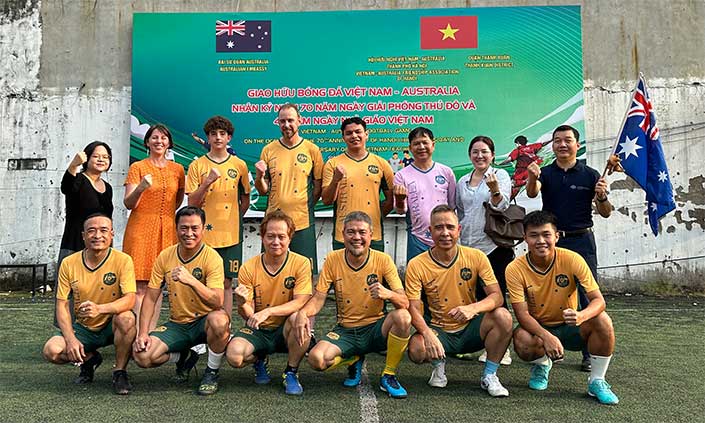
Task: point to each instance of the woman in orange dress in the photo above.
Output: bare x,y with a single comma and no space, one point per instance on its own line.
154,188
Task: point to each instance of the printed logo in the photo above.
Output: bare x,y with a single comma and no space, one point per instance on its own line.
232,173
332,335
562,280
160,329
301,158
289,282
465,274
109,278
372,279
373,169
440,179
197,273
246,331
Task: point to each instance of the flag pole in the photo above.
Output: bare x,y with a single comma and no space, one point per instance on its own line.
624,121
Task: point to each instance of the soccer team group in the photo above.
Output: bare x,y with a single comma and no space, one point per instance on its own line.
452,301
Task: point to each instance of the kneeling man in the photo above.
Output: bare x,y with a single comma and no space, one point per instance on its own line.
448,274
102,281
543,289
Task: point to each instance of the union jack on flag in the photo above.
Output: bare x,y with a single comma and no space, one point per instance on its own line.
229,27
241,36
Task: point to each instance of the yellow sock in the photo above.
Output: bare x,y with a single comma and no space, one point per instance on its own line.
395,351
340,361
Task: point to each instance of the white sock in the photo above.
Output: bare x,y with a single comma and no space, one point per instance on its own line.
174,357
599,367
214,359
543,360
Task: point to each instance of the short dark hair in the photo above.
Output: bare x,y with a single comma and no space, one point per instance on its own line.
190,211
521,140
98,214
482,138
161,128
353,120
218,122
441,208
90,148
539,218
289,106
562,128
420,132
357,216
277,215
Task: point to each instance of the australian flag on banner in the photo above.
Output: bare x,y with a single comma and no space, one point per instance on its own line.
642,155
238,36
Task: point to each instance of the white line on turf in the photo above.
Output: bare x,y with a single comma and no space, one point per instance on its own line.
368,400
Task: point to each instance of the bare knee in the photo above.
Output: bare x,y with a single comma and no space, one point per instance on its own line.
502,319
417,349
217,321
143,359
524,344
401,319
316,359
52,352
124,321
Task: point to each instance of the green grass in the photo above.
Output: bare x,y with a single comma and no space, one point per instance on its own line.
657,371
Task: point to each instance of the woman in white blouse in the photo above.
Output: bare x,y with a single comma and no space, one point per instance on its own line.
484,184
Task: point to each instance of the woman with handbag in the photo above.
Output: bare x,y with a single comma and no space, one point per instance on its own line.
484,184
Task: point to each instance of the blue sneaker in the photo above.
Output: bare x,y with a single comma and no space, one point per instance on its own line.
354,373
291,384
602,390
390,385
539,376
261,371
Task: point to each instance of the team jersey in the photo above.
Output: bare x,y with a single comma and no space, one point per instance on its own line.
291,172
525,154
185,305
273,289
221,202
448,286
425,189
107,282
355,305
550,292
359,189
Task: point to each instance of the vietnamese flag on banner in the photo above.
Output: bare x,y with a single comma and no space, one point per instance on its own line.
441,32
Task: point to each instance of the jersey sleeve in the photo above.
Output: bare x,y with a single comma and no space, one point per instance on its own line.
391,275
387,176
64,287
583,273
317,163
514,154
127,276
158,272
413,281
304,282
515,285
328,169
193,177
325,279
244,178
245,277
214,271
484,270
134,175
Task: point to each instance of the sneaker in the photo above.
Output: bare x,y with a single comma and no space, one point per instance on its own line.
121,384
586,365
354,373
88,369
507,359
291,384
438,376
209,383
311,344
491,384
483,357
539,376
261,367
390,385
602,390
187,361
200,349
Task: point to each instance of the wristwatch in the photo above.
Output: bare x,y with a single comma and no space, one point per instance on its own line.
496,194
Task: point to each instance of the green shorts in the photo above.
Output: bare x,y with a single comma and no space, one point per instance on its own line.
304,242
265,341
92,340
232,258
465,340
569,336
358,341
181,336
375,245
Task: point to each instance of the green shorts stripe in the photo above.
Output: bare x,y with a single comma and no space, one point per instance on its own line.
265,341
181,336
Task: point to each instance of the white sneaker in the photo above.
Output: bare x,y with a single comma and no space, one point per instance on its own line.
438,376
483,357
491,384
200,349
507,359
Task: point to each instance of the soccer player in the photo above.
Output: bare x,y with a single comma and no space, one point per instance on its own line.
193,273
219,184
290,172
272,286
543,291
359,275
524,155
419,187
353,180
448,274
102,281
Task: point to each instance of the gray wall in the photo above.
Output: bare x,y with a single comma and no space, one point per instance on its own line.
65,80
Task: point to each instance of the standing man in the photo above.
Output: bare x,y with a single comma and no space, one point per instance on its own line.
420,187
219,184
193,273
448,274
272,287
395,162
290,172
359,275
353,180
568,190
102,281
543,287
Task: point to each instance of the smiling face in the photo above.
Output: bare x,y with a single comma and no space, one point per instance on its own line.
99,160
97,233
565,145
289,122
481,155
357,236
158,142
541,240
355,137
189,230
422,148
219,139
445,230
275,239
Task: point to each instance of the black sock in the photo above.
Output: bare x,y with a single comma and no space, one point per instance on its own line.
291,369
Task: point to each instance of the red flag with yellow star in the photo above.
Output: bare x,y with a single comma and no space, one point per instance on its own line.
441,32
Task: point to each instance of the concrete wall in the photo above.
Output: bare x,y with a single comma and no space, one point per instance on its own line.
65,80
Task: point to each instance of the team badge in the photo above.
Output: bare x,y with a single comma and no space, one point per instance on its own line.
197,273
232,173
440,179
160,329
289,282
562,280
372,279
373,169
301,158
109,278
465,274
246,331
332,335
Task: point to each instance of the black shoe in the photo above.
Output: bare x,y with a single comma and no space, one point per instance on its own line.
209,383
88,369
311,344
586,366
187,361
121,384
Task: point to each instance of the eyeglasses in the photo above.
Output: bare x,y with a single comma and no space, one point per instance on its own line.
98,157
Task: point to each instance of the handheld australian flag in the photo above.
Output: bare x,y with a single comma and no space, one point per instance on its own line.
642,156
238,36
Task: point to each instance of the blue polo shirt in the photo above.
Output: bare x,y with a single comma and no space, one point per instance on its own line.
568,194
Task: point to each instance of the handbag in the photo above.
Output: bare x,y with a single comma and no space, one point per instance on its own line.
505,228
